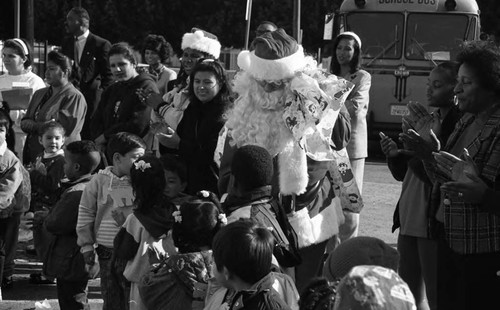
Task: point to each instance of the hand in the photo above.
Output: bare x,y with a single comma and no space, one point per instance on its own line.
159,127
420,120
390,148
89,257
422,148
169,139
118,216
149,97
467,184
101,143
40,167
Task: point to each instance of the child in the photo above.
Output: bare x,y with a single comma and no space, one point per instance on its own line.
242,255
251,197
106,202
185,276
150,222
176,177
64,260
46,175
417,217
373,287
10,179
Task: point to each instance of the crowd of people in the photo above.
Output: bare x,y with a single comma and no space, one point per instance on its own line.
191,190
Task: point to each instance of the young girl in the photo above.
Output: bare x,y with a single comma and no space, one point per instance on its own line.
150,221
10,179
184,276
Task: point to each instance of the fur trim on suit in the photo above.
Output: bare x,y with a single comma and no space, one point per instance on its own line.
199,42
275,69
317,229
293,175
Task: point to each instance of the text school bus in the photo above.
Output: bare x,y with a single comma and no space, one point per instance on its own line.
403,40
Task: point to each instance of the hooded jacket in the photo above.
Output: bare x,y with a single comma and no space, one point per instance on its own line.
120,108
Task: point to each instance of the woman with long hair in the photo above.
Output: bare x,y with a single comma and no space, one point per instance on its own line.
346,63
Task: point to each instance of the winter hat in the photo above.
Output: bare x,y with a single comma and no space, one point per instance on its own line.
358,251
252,166
353,35
373,288
276,56
202,41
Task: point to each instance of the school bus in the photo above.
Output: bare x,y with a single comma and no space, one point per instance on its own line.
402,41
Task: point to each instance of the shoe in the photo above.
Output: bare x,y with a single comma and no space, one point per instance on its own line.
37,278
7,283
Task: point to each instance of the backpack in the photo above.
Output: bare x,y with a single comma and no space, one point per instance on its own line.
286,249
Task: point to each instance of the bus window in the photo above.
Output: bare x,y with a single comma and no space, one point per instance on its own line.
434,36
385,41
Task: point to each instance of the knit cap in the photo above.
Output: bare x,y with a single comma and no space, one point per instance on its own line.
361,250
373,288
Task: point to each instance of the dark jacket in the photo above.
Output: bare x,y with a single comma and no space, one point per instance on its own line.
64,259
261,296
93,73
121,109
46,188
199,131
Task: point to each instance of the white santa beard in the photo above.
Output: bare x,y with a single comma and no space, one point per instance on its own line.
257,116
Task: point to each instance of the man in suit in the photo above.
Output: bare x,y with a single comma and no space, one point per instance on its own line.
89,53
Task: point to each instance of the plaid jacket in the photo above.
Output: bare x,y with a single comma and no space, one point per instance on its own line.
468,229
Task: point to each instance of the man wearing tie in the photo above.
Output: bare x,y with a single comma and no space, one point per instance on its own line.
90,61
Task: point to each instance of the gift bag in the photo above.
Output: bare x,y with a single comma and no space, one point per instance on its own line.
344,183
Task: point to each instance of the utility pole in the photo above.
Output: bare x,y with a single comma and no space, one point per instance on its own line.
297,34
17,18
248,18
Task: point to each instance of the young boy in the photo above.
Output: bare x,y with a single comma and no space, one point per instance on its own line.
242,254
176,176
46,175
251,197
64,260
106,202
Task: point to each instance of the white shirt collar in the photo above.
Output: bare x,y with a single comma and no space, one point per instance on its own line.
84,36
3,148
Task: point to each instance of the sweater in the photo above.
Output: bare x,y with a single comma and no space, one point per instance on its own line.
104,193
68,107
120,108
10,179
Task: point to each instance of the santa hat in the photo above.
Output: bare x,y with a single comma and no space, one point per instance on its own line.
202,41
276,56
